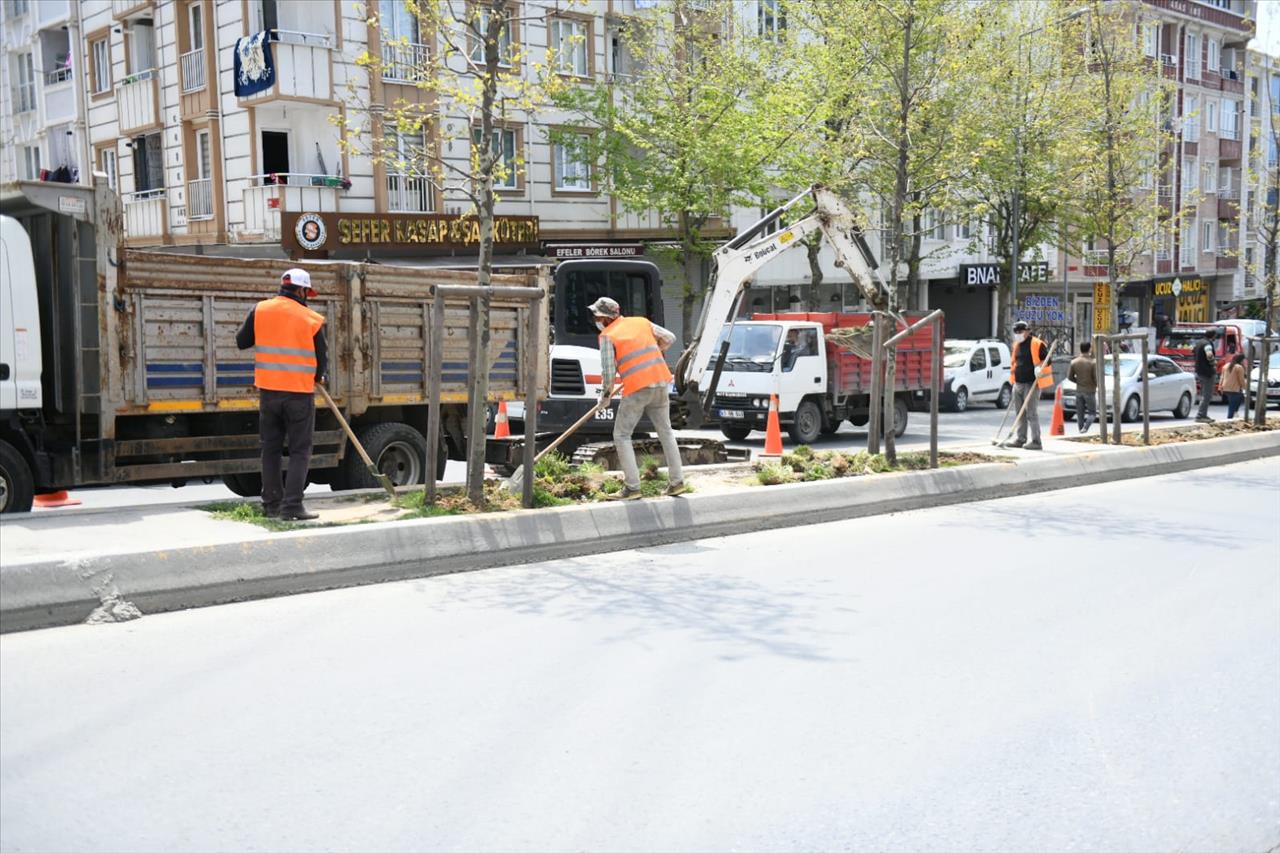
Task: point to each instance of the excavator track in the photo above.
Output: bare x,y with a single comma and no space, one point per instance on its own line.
693,451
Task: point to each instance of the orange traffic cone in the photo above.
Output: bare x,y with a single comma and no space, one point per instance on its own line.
54,499
501,429
1056,426
773,432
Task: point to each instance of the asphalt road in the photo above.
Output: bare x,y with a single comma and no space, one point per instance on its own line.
1092,669
976,426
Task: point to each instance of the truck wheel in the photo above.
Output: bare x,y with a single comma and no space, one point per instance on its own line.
807,424
397,450
17,489
899,416
735,433
860,420
247,484
1005,397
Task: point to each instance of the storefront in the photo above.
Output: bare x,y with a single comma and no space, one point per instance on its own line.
970,298
1181,299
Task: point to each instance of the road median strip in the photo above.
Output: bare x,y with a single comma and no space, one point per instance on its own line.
43,593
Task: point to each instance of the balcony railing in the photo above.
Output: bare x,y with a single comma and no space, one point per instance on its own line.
1227,262
1095,257
405,63
302,62
137,97
268,195
1164,254
409,194
1231,193
144,213
193,76
200,199
58,75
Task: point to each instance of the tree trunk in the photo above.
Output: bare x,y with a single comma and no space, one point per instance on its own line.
691,262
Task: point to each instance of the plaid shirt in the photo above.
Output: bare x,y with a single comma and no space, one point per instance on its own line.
609,363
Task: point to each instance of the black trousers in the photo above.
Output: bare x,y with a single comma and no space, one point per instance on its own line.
285,415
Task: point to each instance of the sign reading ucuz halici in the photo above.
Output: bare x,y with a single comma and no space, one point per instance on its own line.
313,233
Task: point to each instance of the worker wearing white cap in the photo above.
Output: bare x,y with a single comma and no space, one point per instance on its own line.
290,355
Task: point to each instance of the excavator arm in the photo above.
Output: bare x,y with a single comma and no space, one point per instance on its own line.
737,262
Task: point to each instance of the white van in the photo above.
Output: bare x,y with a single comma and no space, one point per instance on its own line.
975,372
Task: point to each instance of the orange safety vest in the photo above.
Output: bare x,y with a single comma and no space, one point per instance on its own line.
1044,371
284,357
638,356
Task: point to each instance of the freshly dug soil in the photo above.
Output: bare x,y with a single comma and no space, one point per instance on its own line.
1195,432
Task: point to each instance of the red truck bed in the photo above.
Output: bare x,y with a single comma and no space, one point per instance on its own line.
850,373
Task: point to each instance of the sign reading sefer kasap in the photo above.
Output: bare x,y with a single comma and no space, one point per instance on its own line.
320,233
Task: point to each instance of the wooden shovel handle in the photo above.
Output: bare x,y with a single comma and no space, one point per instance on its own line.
575,427
345,426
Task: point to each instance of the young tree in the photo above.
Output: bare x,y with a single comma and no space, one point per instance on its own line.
896,74
1268,226
1118,122
692,128
474,76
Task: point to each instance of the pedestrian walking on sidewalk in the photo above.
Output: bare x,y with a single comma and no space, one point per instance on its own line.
289,359
1206,372
1233,384
1030,372
631,349
1083,373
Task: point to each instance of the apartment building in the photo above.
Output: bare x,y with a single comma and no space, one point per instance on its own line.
1195,266
42,130
1263,82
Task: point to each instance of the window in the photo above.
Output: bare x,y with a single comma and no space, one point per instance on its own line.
197,27
620,61
772,18
571,42
18,8
799,342
1193,56
1225,183
1224,238
1211,176
978,361
506,176
24,95
204,155
1190,178
1230,128
572,171
1208,228
994,353
408,189
398,22
504,40
141,44
1212,45
933,226
1211,115
1187,252
1150,39
404,152
107,162
100,67
148,163
1271,150
31,163
1191,119
964,230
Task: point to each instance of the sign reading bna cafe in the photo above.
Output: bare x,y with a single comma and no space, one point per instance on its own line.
324,233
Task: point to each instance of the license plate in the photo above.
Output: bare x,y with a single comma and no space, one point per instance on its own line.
732,413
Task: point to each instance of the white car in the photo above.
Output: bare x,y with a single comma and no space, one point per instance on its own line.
1273,379
975,372
1172,388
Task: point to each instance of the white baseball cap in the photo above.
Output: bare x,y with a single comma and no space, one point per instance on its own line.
298,278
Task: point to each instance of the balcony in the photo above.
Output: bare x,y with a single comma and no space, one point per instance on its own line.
270,194
199,200
193,74
59,96
121,9
1228,204
1229,147
409,194
1095,262
138,97
405,63
144,214
1233,81
1164,197
302,63
50,12
1169,65
1225,262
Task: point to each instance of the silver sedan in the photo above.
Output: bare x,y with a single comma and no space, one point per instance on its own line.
1172,388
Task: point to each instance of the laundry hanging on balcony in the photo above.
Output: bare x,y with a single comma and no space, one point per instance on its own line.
254,69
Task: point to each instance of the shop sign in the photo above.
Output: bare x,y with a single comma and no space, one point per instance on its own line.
1101,308
327,232
1041,309
988,275
1192,298
567,252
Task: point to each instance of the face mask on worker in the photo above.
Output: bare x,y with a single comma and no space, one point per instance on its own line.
600,325
1019,336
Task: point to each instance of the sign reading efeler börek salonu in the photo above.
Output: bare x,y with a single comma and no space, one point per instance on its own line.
329,232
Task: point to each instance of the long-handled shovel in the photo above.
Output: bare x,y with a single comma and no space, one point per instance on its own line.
1034,394
382,478
516,482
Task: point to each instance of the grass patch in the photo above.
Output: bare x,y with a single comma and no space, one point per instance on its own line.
251,513
804,465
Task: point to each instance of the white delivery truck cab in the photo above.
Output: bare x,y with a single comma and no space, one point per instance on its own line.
20,359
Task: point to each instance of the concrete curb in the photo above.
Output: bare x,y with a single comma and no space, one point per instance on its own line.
61,592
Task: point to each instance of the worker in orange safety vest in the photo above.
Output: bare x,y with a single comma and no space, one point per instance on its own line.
631,351
290,356
1030,372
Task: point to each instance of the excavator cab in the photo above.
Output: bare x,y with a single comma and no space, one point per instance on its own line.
635,285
